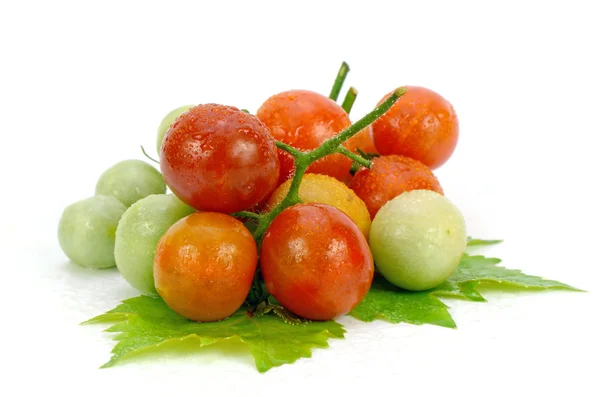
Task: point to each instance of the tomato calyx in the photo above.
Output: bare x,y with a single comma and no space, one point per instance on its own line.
367,156
271,305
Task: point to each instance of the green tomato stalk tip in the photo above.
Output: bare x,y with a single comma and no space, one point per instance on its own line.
339,81
349,99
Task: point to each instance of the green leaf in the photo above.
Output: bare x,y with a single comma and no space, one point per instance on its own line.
386,302
472,242
146,323
477,270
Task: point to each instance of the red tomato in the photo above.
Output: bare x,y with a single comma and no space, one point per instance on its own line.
316,262
389,177
218,158
422,125
204,266
304,120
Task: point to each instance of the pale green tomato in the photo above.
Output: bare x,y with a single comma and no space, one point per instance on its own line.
130,181
418,239
139,230
86,231
166,123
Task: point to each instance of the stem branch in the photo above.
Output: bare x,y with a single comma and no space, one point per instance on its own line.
331,145
148,156
290,149
302,162
355,157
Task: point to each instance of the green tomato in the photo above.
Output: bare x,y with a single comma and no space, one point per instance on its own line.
139,230
418,239
166,123
130,180
86,231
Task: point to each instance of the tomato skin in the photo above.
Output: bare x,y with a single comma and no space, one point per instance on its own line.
304,120
421,125
389,177
218,158
204,266
316,262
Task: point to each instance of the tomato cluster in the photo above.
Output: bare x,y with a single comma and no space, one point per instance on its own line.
253,192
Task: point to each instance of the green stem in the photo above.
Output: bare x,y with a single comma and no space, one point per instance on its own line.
290,149
302,162
246,214
354,168
146,154
331,145
349,99
339,81
355,157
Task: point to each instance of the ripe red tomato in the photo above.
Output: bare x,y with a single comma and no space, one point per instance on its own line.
304,120
204,266
316,262
422,125
218,158
389,177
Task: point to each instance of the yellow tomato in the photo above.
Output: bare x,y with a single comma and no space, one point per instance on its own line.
318,188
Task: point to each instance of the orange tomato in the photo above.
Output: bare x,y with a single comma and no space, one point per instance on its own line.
204,266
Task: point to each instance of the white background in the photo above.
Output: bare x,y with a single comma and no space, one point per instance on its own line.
82,85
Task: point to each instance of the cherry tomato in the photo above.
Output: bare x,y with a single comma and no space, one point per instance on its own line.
418,239
316,262
204,266
304,119
422,125
317,188
218,158
389,177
